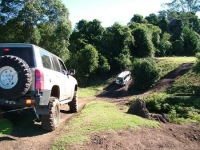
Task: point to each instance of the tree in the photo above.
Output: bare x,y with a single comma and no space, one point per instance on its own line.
86,62
176,27
165,46
124,60
191,42
138,19
184,5
178,48
26,22
152,19
194,23
12,32
103,65
115,39
9,9
145,73
163,24
144,35
29,16
86,32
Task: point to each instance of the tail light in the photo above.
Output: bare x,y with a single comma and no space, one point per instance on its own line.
39,80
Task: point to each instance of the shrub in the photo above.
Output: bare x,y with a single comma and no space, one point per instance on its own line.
145,73
178,108
155,102
196,67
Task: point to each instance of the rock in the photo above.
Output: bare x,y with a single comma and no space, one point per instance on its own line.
139,108
162,118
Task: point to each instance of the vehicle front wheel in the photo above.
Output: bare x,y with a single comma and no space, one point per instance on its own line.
50,121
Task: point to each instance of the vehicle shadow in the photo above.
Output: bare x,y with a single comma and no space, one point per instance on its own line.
20,124
114,90
7,138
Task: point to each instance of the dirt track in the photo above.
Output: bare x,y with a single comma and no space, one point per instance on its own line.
27,135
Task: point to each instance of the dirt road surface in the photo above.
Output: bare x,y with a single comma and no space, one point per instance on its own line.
28,134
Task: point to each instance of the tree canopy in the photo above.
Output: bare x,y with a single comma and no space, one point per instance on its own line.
42,22
184,5
93,49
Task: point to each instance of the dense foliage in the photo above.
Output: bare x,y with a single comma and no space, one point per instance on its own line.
178,108
174,31
145,73
42,22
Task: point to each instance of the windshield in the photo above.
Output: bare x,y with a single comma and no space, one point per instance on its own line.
119,78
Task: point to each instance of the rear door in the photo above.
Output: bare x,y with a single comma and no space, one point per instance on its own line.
60,77
66,81
49,77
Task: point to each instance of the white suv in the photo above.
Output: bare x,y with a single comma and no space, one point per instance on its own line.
123,78
31,76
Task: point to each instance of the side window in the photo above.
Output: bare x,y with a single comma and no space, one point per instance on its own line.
125,77
56,64
62,65
45,59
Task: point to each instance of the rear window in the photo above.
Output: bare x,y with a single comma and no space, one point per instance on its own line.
25,53
45,59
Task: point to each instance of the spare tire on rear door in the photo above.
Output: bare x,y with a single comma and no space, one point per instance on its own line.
15,77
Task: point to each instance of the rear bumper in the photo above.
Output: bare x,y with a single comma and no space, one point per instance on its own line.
36,98
120,83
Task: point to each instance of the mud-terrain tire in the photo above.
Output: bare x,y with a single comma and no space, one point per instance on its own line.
73,105
50,121
15,77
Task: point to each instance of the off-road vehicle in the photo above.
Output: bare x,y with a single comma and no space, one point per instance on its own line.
123,78
31,76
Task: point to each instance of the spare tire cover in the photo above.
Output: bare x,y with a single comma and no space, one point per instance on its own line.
15,77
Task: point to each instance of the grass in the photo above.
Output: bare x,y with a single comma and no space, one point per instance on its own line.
95,89
168,64
96,117
100,116
188,84
5,127
180,101
89,91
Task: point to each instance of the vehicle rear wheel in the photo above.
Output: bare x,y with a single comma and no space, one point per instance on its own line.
73,105
50,121
15,77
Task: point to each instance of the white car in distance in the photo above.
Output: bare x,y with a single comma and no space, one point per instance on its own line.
123,78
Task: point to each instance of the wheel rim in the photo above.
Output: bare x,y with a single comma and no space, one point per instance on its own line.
8,77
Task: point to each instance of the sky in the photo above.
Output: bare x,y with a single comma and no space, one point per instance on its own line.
110,11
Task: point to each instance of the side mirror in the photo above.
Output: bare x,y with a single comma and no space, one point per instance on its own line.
71,72
64,72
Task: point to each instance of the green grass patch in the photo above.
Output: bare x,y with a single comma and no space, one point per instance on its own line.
89,91
168,64
188,84
5,127
96,117
97,87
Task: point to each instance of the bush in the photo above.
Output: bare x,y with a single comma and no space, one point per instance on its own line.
196,67
145,73
178,108
155,102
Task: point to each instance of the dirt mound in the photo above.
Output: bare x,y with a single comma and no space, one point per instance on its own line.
168,136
